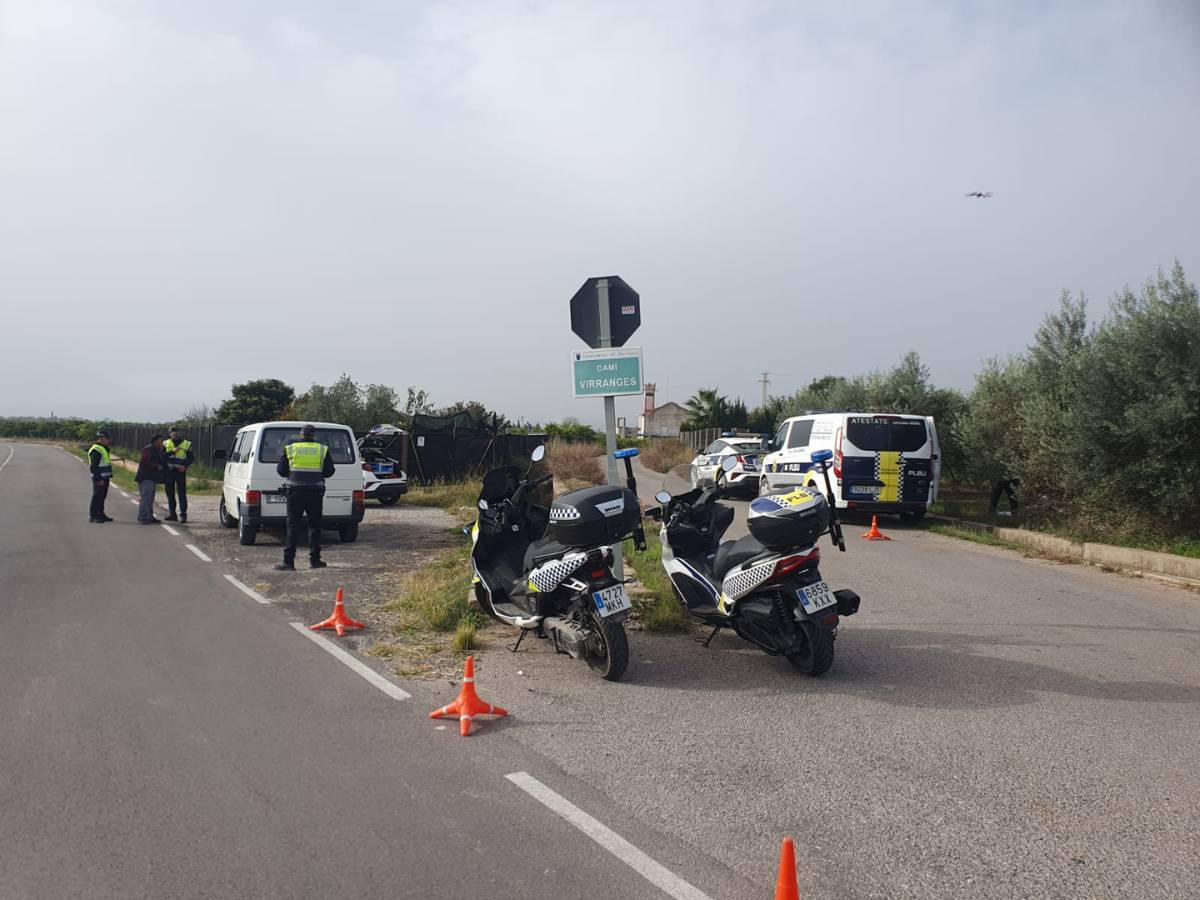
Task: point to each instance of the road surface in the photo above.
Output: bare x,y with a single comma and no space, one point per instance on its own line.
993,726
167,736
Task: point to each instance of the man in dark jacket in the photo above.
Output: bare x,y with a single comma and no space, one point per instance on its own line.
305,464
179,457
152,468
1000,488
100,464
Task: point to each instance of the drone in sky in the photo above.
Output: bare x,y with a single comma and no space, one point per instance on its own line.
980,194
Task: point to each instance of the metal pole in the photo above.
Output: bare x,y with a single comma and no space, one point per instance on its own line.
610,414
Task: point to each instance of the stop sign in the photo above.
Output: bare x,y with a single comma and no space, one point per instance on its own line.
624,311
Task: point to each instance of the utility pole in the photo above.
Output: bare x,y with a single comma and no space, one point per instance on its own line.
766,383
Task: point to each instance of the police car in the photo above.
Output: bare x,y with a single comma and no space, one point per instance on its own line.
380,449
745,474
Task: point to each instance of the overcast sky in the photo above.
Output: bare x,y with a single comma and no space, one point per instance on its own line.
198,193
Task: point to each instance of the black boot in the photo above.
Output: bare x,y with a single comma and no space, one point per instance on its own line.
286,566
183,518
317,563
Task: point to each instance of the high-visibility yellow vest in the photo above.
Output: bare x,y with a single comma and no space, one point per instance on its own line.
177,454
306,462
105,467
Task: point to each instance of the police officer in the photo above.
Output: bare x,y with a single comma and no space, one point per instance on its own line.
179,457
305,464
100,463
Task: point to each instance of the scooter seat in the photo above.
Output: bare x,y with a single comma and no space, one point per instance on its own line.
546,548
733,553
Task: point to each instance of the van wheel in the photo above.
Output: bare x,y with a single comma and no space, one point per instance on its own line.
227,521
348,532
246,531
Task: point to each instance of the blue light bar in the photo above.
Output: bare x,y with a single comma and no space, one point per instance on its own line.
626,453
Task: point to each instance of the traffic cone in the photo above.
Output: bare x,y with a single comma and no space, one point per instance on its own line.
786,887
339,620
468,705
875,534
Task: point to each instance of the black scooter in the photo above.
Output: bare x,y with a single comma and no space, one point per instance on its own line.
548,570
767,586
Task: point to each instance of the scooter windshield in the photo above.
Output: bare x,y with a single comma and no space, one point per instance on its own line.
500,484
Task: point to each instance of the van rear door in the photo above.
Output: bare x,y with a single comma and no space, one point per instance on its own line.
347,475
887,459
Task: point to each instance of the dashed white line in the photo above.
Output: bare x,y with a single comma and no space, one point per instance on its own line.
169,529
658,875
131,500
200,553
247,590
11,450
361,668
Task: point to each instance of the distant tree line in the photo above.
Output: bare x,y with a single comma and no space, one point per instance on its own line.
1101,424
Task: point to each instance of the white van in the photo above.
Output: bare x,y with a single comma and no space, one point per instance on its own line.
252,495
882,463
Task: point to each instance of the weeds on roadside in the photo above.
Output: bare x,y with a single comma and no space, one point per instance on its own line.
664,454
436,596
660,610
452,496
574,462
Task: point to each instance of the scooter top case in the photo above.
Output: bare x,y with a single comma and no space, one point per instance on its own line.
797,518
593,516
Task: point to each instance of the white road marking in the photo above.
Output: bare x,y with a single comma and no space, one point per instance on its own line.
11,451
200,553
658,875
126,496
247,590
170,530
131,500
361,668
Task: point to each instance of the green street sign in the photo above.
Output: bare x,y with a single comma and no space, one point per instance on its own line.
608,372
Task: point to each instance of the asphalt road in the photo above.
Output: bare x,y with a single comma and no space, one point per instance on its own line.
164,735
993,726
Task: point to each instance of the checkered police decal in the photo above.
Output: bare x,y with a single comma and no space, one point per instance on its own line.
563,513
739,584
550,575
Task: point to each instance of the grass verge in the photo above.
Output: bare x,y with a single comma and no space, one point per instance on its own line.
664,454
458,498
659,610
980,537
433,618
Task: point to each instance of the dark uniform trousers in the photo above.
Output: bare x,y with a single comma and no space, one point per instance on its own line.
176,481
99,495
303,502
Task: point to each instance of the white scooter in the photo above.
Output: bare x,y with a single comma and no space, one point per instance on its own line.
767,586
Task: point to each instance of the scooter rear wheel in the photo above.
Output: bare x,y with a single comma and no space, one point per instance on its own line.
816,656
612,663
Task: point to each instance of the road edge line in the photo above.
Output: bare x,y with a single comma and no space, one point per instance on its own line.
12,451
169,529
358,667
200,553
656,873
247,590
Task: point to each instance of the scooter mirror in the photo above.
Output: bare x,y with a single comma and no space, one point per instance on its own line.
663,497
539,453
483,504
728,464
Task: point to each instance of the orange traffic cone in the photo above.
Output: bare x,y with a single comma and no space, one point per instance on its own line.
468,705
875,534
339,619
786,887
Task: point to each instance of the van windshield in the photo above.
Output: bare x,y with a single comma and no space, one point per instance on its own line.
874,433
339,442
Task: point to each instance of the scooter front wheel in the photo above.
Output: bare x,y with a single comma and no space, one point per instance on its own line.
611,663
816,656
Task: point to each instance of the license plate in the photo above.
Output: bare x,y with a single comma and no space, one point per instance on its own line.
382,468
816,597
275,498
611,600
863,489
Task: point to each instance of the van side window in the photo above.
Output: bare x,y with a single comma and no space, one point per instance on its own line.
238,455
780,436
801,432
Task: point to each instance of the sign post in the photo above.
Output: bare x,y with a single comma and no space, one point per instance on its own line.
605,312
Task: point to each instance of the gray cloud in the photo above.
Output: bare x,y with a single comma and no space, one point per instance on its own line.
196,194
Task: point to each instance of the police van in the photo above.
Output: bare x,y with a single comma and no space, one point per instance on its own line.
882,463
253,496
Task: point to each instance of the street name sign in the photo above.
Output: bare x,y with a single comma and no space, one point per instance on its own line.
607,372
